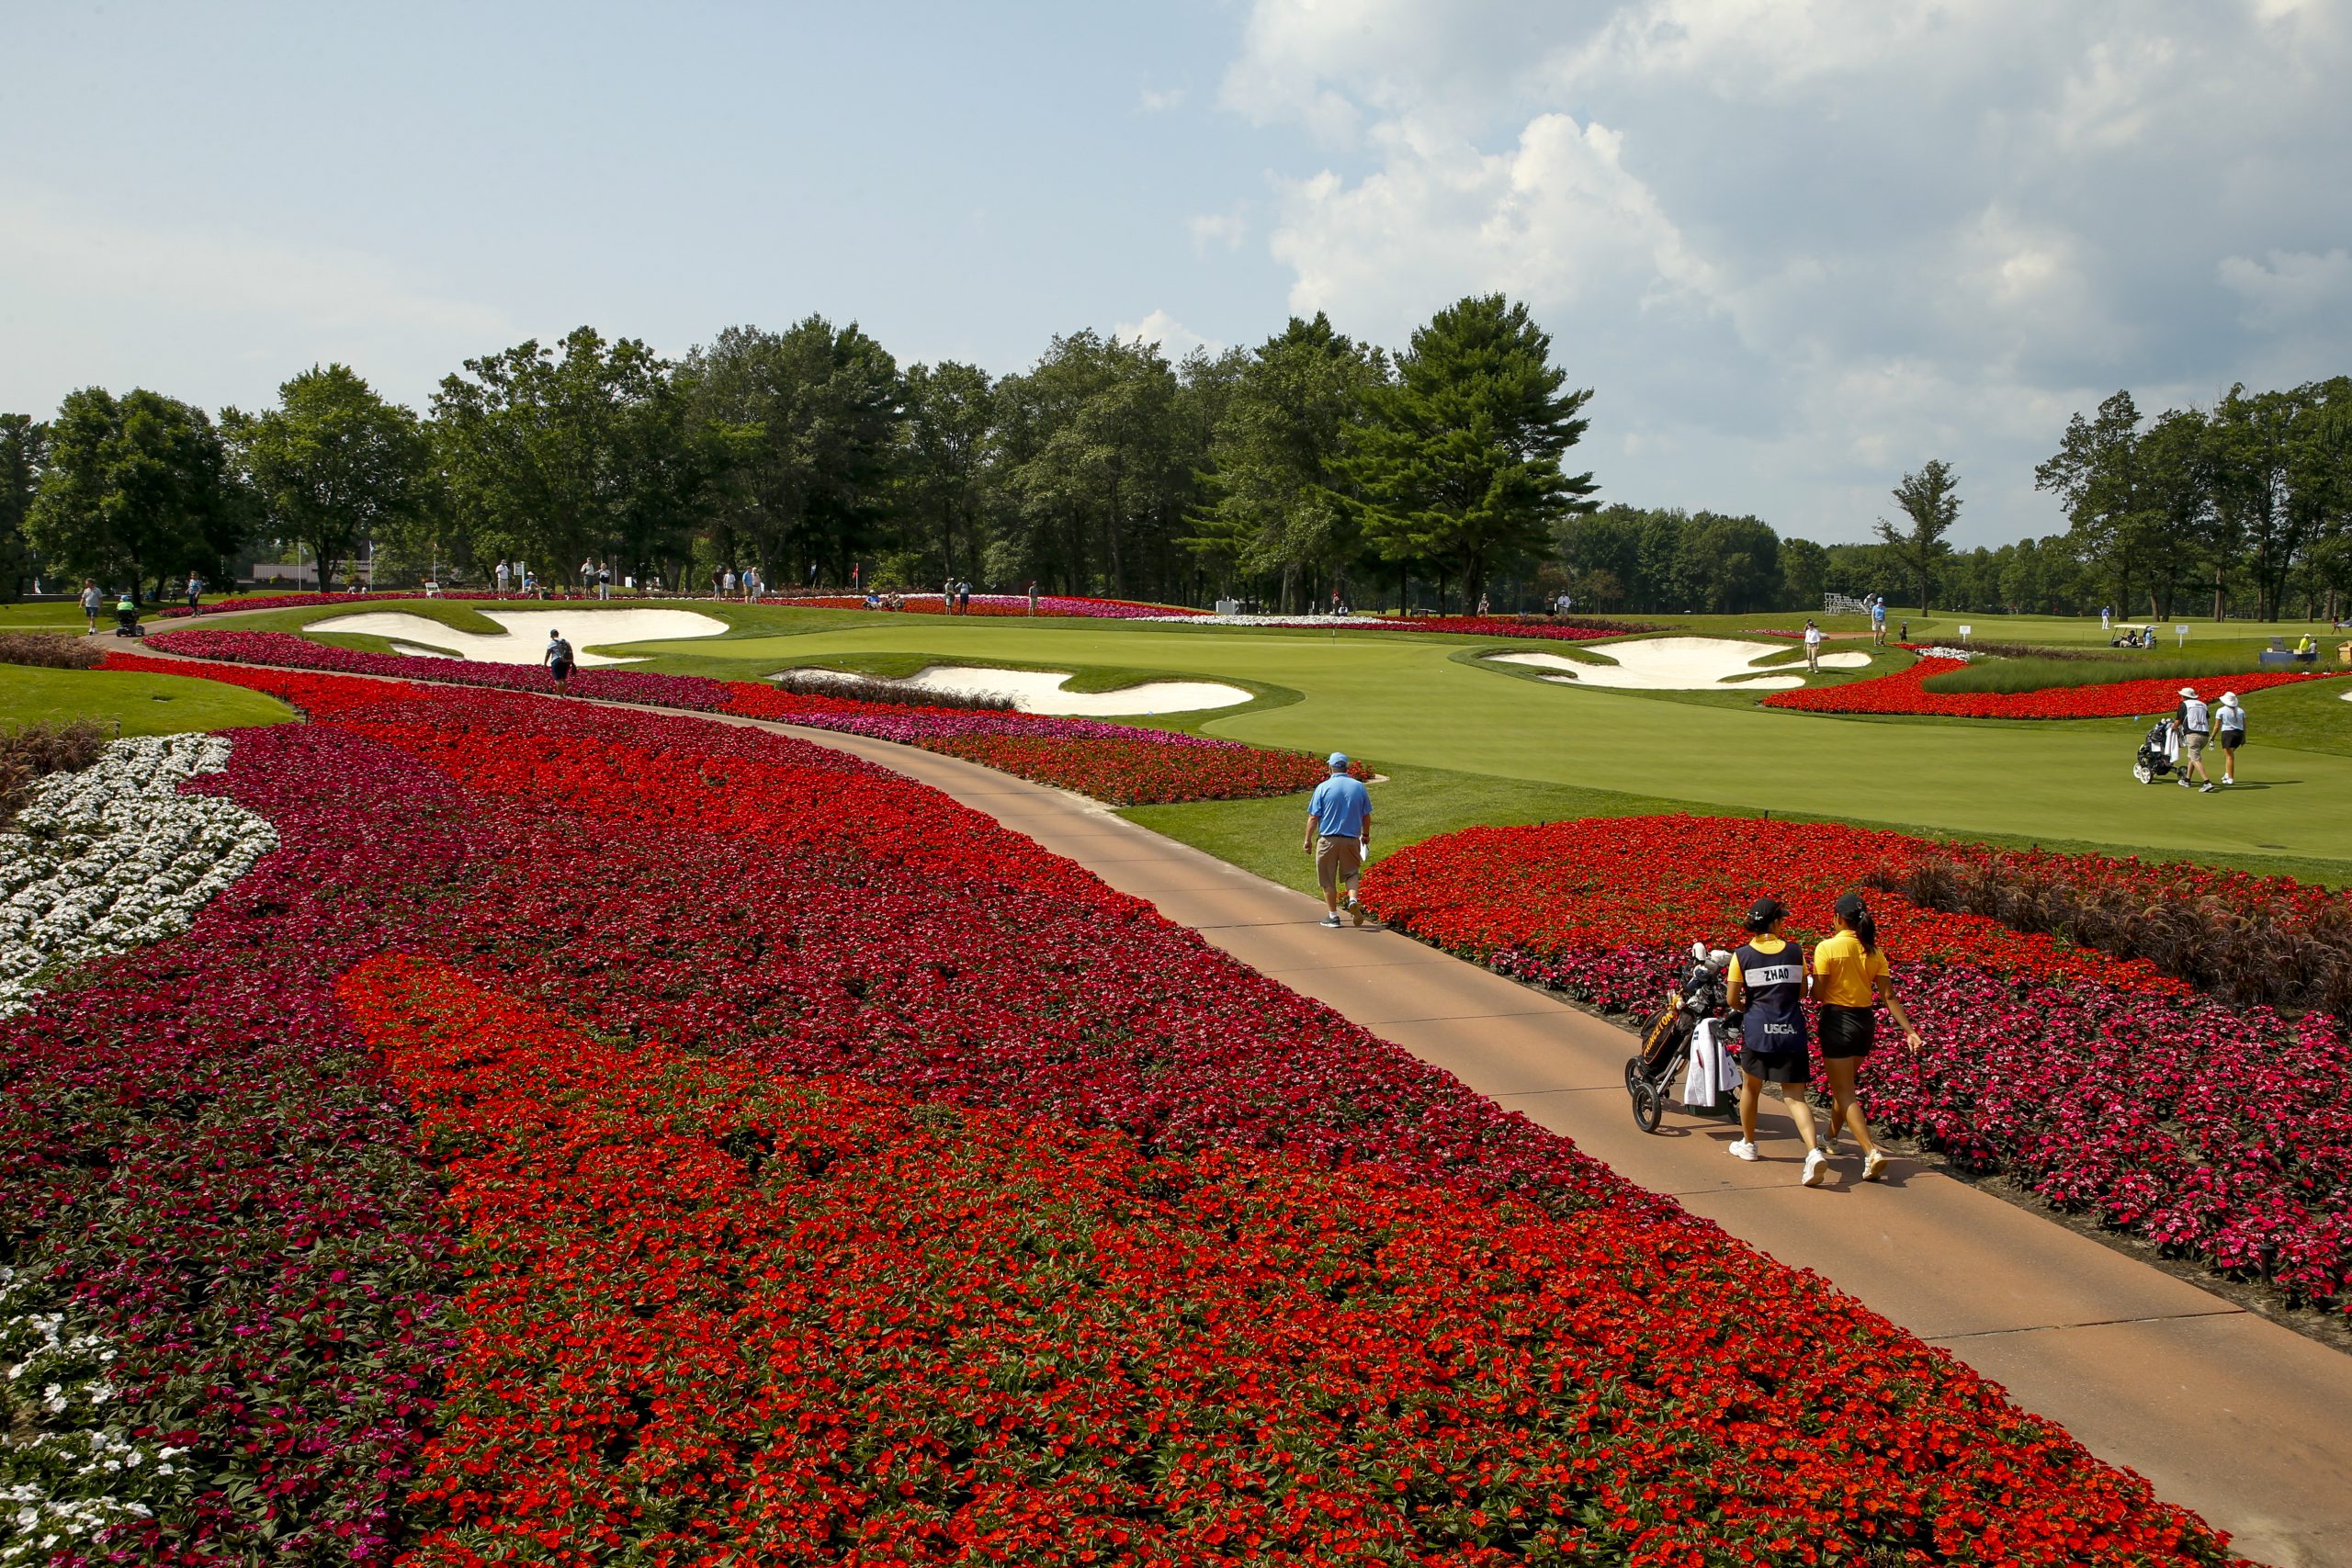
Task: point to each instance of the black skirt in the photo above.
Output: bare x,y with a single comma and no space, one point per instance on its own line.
1795,1068
1848,1031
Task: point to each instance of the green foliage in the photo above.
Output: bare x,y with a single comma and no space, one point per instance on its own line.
1930,501
1278,501
1460,461
23,446
1629,558
334,466
550,460
135,489
799,429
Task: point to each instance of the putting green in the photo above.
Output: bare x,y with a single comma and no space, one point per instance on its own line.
1403,699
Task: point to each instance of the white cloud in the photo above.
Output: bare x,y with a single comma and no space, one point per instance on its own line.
1223,230
1797,248
1556,219
1175,339
1158,100
2289,286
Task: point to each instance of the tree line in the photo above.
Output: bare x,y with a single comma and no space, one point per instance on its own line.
1310,465
1310,468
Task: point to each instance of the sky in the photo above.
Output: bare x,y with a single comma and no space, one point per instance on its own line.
1796,247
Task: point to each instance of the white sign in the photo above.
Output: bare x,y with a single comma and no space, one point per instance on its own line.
2180,636
1965,631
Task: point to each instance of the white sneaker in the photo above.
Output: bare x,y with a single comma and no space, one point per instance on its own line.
1874,1163
1332,919
1742,1148
1817,1168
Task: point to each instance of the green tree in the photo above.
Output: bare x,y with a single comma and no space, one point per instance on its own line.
1460,461
942,464
1930,501
544,456
1278,502
811,417
1094,469
24,446
334,466
1805,574
136,489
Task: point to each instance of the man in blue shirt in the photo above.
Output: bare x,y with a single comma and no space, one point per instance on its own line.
1338,826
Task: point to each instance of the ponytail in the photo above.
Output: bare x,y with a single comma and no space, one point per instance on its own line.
1859,919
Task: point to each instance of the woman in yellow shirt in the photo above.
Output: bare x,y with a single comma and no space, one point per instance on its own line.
1849,975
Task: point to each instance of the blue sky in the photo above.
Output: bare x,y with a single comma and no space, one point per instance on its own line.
1797,248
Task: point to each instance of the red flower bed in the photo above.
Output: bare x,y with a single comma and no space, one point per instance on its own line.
2106,1085
1123,765
1905,691
711,1314
1194,1271
1081,605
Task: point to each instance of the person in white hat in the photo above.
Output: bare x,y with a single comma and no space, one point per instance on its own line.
2229,734
2194,719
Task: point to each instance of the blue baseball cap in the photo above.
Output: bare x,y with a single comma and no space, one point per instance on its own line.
1339,759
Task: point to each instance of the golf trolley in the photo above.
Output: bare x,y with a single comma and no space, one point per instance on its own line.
1696,1004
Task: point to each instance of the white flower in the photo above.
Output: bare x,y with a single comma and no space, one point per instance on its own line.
114,856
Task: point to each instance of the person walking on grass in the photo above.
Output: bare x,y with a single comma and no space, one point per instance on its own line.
558,658
1768,983
2229,734
1812,648
194,593
92,602
1878,621
2195,721
1849,975
1339,826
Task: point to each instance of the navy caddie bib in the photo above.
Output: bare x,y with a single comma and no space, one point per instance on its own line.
1774,1025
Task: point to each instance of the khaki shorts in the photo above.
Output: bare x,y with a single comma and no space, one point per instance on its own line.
1337,860
2193,744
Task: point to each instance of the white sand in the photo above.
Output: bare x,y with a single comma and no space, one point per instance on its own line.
526,636
1678,664
1040,690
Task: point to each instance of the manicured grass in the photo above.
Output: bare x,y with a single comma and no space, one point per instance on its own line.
136,704
2039,674
1405,701
1414,804
1416,705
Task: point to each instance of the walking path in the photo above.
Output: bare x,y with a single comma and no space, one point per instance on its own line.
2247,1422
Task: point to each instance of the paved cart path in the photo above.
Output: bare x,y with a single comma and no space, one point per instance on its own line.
2247,1422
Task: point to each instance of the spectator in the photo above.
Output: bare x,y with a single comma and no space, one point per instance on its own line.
92,602
500,574
1812,647
1338,828
194,593
1032,597
1878,621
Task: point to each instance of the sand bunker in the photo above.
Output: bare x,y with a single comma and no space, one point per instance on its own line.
1678,664
526,634
1040,690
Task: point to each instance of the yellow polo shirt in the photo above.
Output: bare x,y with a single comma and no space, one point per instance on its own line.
1842,972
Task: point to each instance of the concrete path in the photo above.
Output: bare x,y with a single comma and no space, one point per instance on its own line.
2248,1423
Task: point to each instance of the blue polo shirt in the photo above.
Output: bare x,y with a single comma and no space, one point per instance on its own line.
1339,805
